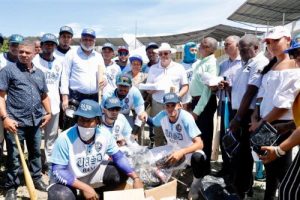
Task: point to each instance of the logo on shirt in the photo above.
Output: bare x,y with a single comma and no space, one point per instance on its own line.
126,100
98,146
178,128
117,129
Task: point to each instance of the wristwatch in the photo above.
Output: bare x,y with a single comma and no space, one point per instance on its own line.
279,152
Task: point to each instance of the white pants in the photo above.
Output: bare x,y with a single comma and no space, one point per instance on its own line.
50,135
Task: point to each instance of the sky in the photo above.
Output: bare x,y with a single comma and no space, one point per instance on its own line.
114,18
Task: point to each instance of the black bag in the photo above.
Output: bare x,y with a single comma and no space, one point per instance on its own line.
264,135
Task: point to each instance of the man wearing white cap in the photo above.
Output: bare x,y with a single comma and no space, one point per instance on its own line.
169,74
79,78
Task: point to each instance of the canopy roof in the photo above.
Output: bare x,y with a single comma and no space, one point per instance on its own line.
267,12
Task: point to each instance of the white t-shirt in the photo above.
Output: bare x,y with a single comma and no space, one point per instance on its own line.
249,74
279,89
82,159
172,76
52,71
80,71
4,61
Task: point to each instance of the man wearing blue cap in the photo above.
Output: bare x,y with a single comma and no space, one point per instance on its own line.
24,110
131,99
52,68
123,55
11,57
116,122
181,132
112,69
80,71
77,158
64,41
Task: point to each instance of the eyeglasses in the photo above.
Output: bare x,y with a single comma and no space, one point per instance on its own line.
123,53
170,105
114,109
163,53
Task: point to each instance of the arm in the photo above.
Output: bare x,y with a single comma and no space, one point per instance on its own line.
177,155
184,89
65,77
286,145
47,108
8,124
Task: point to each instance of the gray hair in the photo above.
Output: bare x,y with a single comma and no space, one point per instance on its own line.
250,39
235,38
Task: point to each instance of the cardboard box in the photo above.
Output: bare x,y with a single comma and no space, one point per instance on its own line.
167,190
132,194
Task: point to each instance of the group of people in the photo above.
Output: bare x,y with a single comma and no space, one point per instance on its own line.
40,84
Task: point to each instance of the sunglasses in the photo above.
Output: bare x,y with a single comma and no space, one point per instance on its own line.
123,53
114,109
163,53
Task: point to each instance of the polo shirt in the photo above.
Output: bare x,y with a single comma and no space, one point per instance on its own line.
23,103
173,75
80,71
249,74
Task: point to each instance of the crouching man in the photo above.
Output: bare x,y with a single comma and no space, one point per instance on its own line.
182,133
77,158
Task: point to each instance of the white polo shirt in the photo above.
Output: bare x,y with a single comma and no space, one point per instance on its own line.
279,89
173,76
52,71
249,74
80,71
4,61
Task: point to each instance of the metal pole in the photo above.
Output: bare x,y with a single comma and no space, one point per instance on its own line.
283,18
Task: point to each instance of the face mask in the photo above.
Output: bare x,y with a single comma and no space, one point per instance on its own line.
87,48
86,133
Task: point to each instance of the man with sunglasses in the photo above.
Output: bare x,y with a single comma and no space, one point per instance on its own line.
131,100
115,122
170,75
123,55
78,158
79,78
181,133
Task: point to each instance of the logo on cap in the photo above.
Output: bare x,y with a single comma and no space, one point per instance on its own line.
85,107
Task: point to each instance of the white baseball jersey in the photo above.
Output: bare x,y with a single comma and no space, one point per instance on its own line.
133,101
82,159
112,71
52,71
4,61
120,130
181,133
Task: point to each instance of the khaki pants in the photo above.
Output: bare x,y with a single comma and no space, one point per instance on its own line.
159,138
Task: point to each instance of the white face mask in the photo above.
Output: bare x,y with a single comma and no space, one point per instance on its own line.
87,48
86,133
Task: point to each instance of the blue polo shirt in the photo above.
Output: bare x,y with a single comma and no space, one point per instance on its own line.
23,103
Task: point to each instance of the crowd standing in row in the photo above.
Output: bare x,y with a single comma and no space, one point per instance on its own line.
41,83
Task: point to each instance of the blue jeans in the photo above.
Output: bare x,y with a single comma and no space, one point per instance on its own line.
32,135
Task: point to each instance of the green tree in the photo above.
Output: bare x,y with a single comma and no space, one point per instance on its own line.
4,47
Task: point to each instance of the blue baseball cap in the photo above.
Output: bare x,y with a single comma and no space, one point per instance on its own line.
152,45
49,37
171,98
295,45
88,109
88,32
108,45
124,80
136,57
112,102
16,38
65,29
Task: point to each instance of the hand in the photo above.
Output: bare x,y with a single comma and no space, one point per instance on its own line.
214,88
45,119
174,157
143,116
121,142
255,125
270,155
137,183
90,194
195,115
65,103
102,84
10,125
223,85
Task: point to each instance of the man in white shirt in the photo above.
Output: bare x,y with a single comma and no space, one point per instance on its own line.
123,55
64,41
80,71
171,75
52,68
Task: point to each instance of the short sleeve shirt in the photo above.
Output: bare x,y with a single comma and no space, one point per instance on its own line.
24,103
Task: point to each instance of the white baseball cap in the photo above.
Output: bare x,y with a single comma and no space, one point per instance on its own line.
277,32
